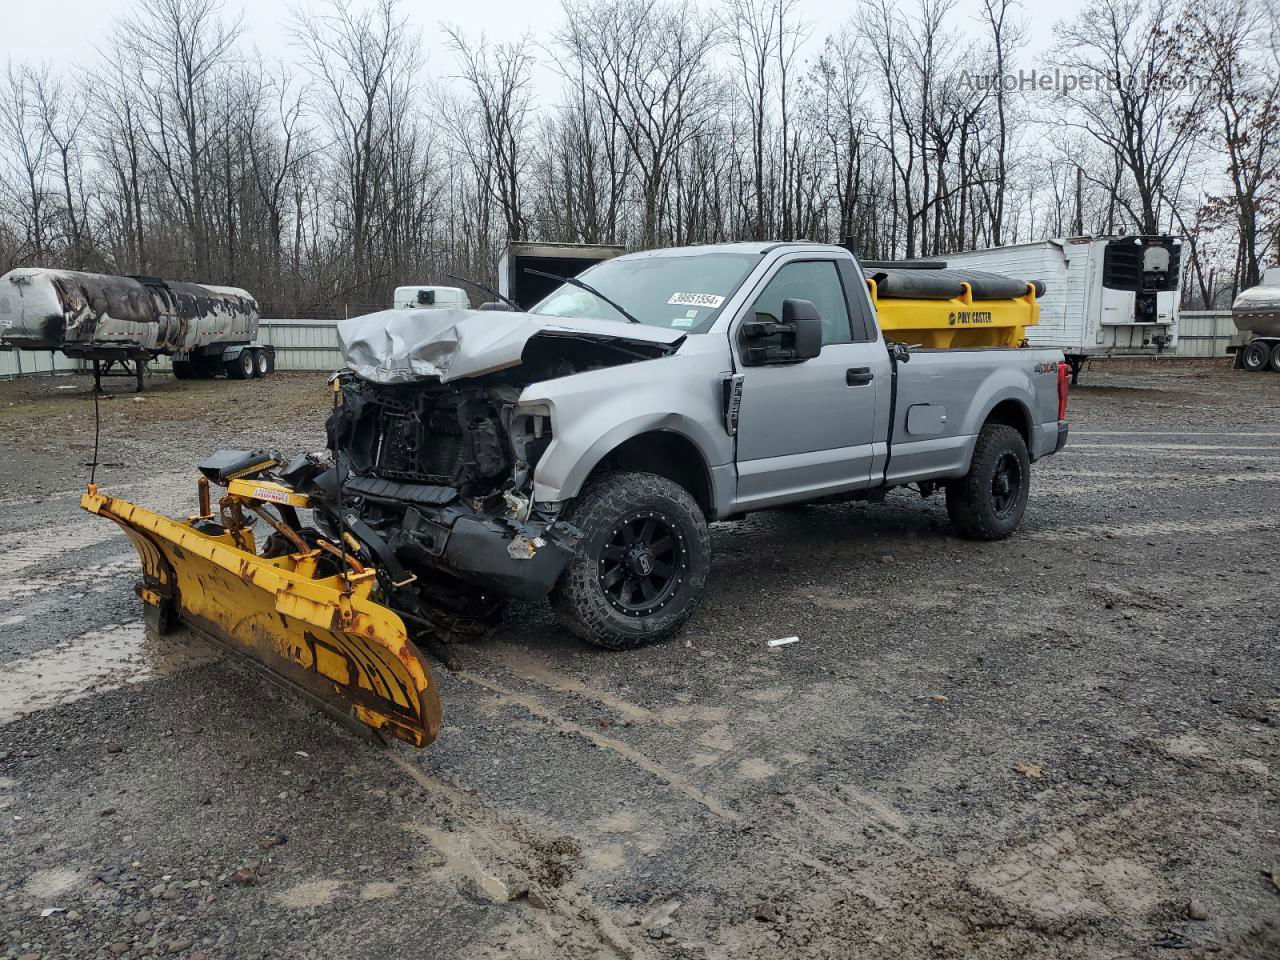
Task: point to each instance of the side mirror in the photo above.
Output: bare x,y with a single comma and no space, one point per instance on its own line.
797,337
807,322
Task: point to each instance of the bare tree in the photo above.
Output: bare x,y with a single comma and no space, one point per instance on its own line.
355,57
1135,107
497,78
176,49
27,154
1230,54
649,65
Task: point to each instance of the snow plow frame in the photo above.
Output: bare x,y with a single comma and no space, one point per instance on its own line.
321,636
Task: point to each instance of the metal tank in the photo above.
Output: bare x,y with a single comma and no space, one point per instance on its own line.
126,321
91,314
1257,310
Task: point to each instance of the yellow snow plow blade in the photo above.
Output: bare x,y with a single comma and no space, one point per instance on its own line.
323,637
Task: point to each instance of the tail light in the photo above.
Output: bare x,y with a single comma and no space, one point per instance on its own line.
1064,386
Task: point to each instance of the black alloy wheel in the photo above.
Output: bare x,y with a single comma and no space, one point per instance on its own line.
1006,484
642,563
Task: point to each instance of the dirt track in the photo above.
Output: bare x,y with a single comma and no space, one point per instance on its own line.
1062,745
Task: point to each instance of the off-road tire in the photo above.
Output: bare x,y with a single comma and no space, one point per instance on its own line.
973,504
1254,356
601,511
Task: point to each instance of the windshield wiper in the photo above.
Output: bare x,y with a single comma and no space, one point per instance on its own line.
575,282
487,289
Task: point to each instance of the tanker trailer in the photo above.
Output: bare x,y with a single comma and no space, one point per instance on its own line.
123,322
1256,314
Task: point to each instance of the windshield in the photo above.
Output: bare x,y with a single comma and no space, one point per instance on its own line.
676,292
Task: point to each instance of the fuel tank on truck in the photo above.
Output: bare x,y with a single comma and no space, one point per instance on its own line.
93,314
1257,310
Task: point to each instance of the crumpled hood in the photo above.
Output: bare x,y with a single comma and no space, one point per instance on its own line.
401,346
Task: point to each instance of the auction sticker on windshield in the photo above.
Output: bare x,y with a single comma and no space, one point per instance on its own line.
696,300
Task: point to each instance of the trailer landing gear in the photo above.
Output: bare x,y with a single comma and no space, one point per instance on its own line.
1075,363
136,368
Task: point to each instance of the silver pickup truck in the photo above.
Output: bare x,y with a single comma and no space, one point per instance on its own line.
580,449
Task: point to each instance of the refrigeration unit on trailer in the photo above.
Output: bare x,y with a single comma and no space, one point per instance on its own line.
127,321
1104,296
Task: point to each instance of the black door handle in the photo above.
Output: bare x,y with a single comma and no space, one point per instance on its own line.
857,376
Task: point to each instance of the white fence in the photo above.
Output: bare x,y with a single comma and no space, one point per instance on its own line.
313,345
300,345
20,363
1205,333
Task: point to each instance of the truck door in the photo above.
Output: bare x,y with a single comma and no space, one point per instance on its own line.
808,428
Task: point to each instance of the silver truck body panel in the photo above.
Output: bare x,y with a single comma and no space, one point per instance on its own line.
595,412
804,432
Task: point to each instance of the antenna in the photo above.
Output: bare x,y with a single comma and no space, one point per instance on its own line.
342,521
97,432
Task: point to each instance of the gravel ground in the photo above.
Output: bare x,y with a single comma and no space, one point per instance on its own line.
1061,745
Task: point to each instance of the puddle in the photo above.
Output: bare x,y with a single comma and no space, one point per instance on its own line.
34,583
94,662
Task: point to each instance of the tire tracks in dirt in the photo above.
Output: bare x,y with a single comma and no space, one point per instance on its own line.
486,847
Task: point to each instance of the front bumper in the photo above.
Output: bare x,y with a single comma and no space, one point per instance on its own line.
497,553
525,565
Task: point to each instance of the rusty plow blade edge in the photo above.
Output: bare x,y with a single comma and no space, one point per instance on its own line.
340,650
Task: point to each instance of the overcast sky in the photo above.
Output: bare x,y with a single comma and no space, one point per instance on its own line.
70,31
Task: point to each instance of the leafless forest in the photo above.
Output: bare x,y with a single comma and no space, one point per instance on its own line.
325,182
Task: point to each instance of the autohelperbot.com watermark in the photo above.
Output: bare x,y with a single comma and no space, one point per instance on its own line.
1059,81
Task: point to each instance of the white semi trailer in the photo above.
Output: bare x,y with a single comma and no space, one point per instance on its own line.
127,321
1104,297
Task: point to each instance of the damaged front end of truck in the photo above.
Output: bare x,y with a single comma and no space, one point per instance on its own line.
335,572
437,452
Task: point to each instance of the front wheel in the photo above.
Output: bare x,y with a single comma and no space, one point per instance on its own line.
988,502
640,569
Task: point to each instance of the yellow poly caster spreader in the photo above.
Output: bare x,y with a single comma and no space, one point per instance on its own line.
925,304
297,607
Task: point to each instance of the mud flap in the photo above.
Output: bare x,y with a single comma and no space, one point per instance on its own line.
323,638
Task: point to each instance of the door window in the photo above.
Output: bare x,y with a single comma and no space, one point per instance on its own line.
813,280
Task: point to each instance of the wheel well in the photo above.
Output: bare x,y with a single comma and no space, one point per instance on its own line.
668,455
1011,413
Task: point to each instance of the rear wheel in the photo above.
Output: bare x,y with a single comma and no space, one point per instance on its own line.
988,502
640,569
1255,355
1274,361
260,363
241,368
183,370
